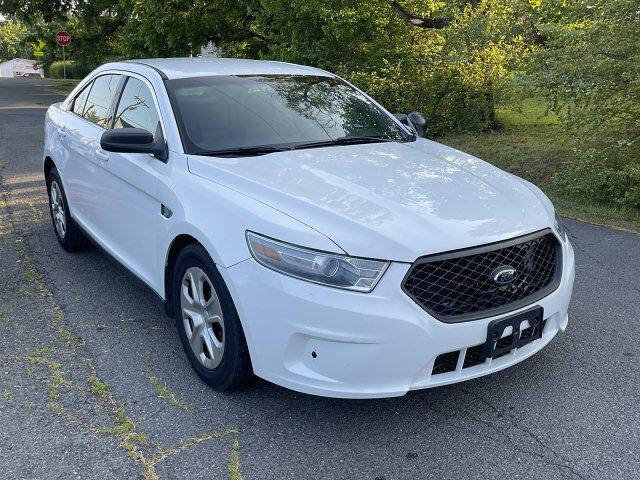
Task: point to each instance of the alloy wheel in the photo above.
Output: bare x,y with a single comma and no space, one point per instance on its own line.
202,317
57,209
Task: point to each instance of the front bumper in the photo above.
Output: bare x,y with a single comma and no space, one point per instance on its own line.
331,342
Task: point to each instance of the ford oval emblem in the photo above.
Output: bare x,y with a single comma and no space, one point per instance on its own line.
504,275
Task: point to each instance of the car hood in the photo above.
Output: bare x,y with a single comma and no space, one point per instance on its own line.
393,201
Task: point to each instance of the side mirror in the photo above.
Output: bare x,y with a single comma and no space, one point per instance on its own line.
415,121
418,122
134,140
402,117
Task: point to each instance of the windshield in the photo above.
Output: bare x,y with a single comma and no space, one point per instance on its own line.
240,112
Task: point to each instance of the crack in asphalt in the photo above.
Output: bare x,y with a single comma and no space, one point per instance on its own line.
58,386
564,464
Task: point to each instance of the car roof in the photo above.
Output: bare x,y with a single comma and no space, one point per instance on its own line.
173,68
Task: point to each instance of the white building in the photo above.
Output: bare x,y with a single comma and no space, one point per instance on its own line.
20,67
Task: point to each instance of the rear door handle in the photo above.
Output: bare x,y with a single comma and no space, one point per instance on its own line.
103,157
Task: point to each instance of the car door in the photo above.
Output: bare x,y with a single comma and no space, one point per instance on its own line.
84,176
68,149
130,211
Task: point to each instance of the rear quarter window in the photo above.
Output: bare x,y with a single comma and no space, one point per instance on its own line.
77,106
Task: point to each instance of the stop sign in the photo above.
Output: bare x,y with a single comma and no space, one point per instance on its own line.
63,38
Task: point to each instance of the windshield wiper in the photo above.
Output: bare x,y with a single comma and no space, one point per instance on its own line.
242,151
344,141
264,149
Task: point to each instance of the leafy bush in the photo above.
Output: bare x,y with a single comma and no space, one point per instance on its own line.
74,70
449,102
593,177
589,70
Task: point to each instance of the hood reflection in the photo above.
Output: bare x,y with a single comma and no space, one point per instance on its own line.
404,191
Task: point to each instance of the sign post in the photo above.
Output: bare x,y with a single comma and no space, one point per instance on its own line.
63,39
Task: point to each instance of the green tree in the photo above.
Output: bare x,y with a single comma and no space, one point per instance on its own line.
48,10
589,67
13,44
448,59
159,28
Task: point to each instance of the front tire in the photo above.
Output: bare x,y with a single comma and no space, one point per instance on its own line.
207,321
67,231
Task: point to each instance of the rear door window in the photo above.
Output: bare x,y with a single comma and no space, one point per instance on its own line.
96,109
136,108
80,100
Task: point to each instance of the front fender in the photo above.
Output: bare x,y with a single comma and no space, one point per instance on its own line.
218,217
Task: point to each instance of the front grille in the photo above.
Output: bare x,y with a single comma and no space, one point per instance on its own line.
459,286
475,356
503,343
446,362
531,331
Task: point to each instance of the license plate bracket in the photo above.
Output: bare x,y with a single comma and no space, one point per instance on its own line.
496,346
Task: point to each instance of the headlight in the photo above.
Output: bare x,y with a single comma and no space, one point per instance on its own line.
359,274
560,228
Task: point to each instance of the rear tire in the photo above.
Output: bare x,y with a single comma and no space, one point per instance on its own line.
67,231
208,324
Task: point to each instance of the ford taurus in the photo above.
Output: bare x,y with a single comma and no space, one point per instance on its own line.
296,230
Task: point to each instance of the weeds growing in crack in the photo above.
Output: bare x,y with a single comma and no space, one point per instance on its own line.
97,387
131,442
182,445
163,391
37,358
34,279
36,214
54,383
234,460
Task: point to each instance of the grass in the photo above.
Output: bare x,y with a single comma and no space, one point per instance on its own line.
97,387
62,85
532,144
163,391
234,461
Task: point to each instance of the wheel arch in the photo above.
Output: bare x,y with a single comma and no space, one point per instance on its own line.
190,236
178,243
48,165
184,235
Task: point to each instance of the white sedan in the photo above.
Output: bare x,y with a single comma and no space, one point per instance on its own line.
298,231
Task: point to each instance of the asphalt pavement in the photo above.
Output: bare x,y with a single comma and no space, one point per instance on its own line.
94,383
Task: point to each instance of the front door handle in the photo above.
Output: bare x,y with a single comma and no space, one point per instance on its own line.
103,157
